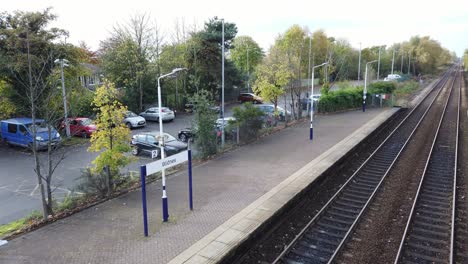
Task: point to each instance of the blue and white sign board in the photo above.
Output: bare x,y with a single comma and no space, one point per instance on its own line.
159,165
166,163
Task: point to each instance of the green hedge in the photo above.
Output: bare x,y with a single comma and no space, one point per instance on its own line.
341,100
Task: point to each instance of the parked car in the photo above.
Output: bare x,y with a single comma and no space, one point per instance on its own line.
192,106
187,134
249,97
306,101
80,126
132,120
269,109
153,114
149,142
392,77
224,120
18,131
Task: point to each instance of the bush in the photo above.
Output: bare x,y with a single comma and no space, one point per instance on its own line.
92,183
406,88
250,121
204,124
341,100
382,88
81,103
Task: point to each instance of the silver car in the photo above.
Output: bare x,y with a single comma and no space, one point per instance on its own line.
132,120
153,114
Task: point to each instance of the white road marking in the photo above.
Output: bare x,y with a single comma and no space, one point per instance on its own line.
35,188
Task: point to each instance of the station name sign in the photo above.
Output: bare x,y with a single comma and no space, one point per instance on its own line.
166,163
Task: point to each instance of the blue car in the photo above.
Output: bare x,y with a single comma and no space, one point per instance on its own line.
18,131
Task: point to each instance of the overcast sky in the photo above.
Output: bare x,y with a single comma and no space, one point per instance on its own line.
364,21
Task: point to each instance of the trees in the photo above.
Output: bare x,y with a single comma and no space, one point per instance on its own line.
246,55
204,58
7,108
28,50
126,56
272,76
111,138
465,58
204,123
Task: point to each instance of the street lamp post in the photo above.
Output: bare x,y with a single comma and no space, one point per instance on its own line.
63,63
161,144
248,70
222,84
364,92
311,135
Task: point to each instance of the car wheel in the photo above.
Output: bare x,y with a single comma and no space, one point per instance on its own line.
129,125
84,134
183,137
134,151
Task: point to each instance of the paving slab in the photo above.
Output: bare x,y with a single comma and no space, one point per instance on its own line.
112,232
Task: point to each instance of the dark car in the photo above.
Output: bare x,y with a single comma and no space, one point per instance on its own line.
148,143
249,97
187,134
80,126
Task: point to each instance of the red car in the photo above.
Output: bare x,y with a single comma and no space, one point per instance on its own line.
80,126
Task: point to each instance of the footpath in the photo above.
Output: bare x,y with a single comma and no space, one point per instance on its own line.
112,232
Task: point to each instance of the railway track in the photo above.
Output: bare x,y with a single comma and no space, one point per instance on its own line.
322,238
461,217
429,233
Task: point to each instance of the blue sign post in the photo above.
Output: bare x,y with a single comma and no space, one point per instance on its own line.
143,198
190,178
156,166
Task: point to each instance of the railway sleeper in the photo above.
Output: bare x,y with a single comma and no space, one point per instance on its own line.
307,256
358,193
418,258
440,195
427,250
431,198
425,239
367,190
342,214
337,220
364,183
332,226
344,209
348,197
324,231
348,205
427,232
444,214
426,222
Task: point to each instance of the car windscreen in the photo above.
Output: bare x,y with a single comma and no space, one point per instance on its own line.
130,114
86,122
40,126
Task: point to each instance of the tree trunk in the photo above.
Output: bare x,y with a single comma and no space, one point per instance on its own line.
141,96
